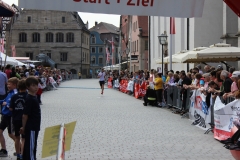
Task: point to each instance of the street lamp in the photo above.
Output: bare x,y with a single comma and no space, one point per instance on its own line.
120,59
163,41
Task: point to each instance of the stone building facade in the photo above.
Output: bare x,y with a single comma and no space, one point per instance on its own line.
108,32
203,32
60,35
134,31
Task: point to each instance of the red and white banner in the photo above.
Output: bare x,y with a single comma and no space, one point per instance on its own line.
2,45
113,48
123,86
199,112
140,90
224,117
166,8
136,90
13,50
107,55
110,82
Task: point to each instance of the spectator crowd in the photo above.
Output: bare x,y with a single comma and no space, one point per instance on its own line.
20,99
211,81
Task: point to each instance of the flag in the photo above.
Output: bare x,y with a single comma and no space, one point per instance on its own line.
13,50
107,55
112,42
172,25
2,45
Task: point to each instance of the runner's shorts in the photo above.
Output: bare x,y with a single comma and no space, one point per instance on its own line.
101,83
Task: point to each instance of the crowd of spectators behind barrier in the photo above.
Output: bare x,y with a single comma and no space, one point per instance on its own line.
48,78
211,81
20,99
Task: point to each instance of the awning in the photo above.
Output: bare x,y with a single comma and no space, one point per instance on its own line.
216,53
234,5
176,58
6,10
21,58
9,60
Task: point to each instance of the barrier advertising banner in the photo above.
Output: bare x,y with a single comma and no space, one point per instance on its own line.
142,89
123,86
166,8
224,117
110,83
136,90
199,111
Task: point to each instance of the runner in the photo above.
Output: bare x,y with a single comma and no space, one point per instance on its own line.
101,77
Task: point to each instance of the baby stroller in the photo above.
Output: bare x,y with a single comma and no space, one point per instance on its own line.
150,97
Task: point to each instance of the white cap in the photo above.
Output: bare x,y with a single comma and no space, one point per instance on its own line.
235,74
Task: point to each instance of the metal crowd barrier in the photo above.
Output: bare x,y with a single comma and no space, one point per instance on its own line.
175,98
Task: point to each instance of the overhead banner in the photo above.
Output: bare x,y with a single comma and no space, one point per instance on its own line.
166,8
224,118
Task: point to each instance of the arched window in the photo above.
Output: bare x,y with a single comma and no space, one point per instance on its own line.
93,39
22,37
70,37
35,37
49,37
59,37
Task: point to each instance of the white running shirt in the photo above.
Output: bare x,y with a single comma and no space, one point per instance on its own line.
102,76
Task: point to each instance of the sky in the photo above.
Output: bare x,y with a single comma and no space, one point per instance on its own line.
90,17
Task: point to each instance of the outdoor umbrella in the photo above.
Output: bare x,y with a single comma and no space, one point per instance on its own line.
6,10
9,60
176,58
216,53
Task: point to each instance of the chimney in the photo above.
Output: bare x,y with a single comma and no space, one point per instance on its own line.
86,25
96,23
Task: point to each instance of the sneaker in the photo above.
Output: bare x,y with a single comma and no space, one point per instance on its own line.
19,157
144,104
15,154
3,153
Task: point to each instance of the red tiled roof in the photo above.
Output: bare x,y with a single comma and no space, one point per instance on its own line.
103,27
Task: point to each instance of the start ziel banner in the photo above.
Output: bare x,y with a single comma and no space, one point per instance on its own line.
166,8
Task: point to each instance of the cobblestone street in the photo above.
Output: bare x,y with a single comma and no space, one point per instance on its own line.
117,126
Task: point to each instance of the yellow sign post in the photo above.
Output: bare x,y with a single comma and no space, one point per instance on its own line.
51,138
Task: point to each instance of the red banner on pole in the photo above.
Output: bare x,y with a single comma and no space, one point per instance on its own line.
110,82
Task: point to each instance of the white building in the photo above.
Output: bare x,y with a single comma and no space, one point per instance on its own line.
218,20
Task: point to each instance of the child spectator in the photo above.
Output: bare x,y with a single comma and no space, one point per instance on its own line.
7,114
40,90
31,120
16,106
